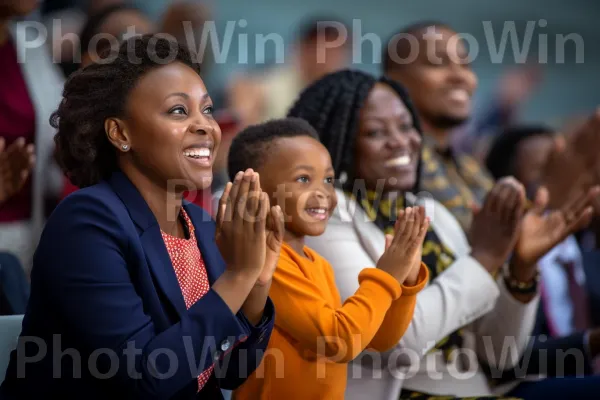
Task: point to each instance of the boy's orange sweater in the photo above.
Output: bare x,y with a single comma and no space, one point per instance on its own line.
315,335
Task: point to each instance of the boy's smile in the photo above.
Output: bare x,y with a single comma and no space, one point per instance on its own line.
298,175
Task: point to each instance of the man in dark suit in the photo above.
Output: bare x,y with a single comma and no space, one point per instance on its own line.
564,342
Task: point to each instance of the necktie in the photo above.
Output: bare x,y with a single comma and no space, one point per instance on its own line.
579,299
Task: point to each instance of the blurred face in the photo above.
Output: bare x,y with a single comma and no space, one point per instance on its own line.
17,8
387,145
116,25
170,128
314,66
531,157
299,177
439,81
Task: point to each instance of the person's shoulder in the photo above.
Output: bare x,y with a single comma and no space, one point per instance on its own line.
99,195
90,223
88,206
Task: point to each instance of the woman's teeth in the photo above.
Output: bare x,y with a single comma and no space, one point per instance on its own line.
398,161
317,210
197,153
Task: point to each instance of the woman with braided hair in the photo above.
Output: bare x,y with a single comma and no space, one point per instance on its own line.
477,304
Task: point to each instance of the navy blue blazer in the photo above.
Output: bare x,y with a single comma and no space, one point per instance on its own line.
106,317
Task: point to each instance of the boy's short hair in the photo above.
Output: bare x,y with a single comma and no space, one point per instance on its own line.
250,147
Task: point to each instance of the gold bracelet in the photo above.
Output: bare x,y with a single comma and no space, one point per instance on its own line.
517,286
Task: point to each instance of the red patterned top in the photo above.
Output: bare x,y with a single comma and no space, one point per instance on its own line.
191,273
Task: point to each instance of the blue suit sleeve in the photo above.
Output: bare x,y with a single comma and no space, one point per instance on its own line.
83,262
566,356
238,365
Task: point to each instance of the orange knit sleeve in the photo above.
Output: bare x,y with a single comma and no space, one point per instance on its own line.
339,334
398,317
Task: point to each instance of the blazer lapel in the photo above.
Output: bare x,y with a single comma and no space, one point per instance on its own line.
160,264
154,246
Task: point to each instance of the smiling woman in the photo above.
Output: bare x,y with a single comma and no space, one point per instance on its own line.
125,264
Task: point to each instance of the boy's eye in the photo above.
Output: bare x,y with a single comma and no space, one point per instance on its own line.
329,180
302,179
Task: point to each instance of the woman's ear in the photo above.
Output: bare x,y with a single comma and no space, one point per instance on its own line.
116,132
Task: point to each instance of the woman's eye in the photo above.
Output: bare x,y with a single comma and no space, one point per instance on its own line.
374,133
329,180
208,110
178,110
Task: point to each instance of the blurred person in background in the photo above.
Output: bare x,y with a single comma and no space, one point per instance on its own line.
564,315
30,90
442,85
514,88
258,98
113,21
181,14
441,89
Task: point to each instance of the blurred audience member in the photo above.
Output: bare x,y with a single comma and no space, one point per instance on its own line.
256,99
14,287
116,21
30,91
564,315
514,88
442,86
183,18
113,21
441,89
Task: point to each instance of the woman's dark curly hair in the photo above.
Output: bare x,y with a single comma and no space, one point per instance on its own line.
332,106
100,91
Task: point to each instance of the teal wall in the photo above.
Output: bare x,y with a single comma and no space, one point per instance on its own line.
568,88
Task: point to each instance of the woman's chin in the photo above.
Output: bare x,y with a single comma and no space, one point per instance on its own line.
402,184
201,181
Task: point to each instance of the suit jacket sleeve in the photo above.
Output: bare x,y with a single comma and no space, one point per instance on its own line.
87,265
241,362
553,357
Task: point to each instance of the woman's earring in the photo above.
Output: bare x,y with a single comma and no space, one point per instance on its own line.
125,147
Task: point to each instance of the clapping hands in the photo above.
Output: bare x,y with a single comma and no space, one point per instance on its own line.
249,231
16,163
502,226
495,227
541,230
404,248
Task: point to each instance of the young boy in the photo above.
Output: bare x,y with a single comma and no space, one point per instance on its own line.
315,335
